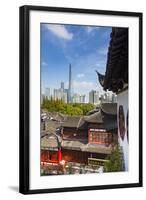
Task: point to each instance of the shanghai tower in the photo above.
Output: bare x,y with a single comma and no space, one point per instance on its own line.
70,85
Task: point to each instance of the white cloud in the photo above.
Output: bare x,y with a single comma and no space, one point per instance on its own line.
44,63
60,31
83,85
80,75
89,29
103,51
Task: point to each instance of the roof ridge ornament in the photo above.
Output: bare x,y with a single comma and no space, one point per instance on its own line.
101,78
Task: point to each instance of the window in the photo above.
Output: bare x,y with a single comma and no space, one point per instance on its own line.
99,137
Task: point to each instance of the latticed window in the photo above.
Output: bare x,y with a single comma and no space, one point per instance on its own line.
100,137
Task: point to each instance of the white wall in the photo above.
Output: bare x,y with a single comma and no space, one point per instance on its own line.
9,103
122,100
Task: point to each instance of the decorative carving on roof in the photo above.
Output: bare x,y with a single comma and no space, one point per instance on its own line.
116,75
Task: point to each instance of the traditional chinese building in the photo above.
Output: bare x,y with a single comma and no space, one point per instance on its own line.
89,136
102,126
50,139
83,139
50,148
116,80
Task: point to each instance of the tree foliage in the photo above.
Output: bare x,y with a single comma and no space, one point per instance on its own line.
116,162
66,108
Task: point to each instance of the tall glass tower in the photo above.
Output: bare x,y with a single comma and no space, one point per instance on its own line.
70,85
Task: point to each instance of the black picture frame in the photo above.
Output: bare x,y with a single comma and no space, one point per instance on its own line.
25,105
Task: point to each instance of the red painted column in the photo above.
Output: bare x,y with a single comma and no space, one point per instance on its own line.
48,157
59,155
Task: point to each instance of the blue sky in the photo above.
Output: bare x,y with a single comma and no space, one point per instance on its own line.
85,47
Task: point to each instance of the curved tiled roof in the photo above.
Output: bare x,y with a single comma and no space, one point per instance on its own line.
94,118
85,147
109,108
116,76
98,117
106,115
56,116
74,122
50,141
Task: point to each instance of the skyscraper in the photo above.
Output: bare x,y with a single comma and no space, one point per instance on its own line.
62,90
55,94
65,96
76,98
70,85
47,93
82,98
93,97
62,86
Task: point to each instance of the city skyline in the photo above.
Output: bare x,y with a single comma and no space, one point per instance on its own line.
69,90
85,47
68,96
94,96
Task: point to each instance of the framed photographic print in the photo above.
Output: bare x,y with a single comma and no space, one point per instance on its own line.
80,99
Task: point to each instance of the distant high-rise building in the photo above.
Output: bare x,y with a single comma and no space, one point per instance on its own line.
65,95
55,94
47,93
62,90
108,97
59,94
62,86
42,98
82,98
96,97
70,85
93,97
76,98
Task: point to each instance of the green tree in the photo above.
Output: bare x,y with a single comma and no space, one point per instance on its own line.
70,110
115,161
86,108
66,108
